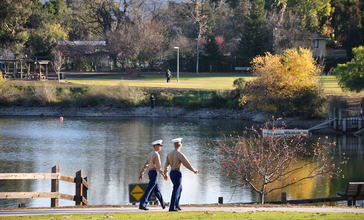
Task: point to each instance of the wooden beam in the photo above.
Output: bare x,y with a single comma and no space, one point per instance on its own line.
67,179
28,195
66,196
32,176
23,176
84,201
85,183
34,195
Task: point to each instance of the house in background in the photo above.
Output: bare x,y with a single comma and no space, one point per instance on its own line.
288,37
318,46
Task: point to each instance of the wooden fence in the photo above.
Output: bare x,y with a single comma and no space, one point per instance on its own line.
81,186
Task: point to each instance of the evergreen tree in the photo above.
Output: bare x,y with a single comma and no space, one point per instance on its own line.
350,74
348,23
13,33
256,37
213,56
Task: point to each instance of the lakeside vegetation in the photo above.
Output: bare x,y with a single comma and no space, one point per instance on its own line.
15,93
284,84
200,215
116,93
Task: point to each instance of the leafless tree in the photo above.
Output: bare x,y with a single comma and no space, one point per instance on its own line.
200,19
152,42
288,31
58,62
262,162
191,14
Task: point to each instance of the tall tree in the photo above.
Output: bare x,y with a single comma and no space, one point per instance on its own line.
14,15
43,40
314,14
200,19
348,23
256,37
56,11
213,56
107,15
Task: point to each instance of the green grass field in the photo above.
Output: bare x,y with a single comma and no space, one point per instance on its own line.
200,216
203,81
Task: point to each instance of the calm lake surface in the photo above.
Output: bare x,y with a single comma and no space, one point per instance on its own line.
112,150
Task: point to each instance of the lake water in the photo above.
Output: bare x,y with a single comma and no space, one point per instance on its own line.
112,150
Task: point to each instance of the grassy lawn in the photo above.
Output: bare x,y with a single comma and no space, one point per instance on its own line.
203,81
201,216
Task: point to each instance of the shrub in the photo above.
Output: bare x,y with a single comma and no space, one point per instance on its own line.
45,94
239,83
219,99
286,83
350,74
9,94
308,102
165,99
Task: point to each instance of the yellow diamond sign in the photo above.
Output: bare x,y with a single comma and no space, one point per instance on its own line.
137,192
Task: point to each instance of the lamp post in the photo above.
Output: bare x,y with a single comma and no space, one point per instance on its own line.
177,62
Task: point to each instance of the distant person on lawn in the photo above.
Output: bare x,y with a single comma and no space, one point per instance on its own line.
168,75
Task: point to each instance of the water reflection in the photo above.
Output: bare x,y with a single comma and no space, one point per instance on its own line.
112,150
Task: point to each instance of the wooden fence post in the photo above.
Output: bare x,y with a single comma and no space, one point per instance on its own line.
79,187
84,193
55,186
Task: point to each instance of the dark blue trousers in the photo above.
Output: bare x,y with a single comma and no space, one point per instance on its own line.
176,177
152,187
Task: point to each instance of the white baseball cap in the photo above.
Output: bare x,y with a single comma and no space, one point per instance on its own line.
157,142
177,140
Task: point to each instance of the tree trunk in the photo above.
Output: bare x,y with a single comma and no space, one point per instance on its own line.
262,194
197,54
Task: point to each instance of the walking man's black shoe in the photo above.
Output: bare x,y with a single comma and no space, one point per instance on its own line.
163,205
144,208
178,208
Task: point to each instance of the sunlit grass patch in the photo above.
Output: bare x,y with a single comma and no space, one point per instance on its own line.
200,216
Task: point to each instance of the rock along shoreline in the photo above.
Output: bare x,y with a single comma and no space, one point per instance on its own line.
161,112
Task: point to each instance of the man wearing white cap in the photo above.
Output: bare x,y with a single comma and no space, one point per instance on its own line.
154,164
175,159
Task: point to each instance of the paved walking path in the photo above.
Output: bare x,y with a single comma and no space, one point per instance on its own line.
134,209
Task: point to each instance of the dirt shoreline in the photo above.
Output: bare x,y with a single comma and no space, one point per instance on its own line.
162,112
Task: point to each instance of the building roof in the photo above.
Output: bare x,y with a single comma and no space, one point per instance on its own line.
83,43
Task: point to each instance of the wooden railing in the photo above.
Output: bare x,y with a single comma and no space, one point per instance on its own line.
81,186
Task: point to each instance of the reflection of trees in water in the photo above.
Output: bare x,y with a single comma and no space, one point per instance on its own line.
123,152
15,158
310,188
353,147
325,186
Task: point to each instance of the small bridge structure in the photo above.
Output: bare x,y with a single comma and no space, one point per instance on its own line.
55,176
349,118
